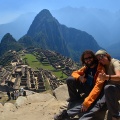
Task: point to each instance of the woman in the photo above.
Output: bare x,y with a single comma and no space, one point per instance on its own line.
112,75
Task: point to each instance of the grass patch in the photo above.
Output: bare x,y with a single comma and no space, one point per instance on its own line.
35,64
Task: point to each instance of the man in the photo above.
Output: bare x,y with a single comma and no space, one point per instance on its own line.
85,80
112,75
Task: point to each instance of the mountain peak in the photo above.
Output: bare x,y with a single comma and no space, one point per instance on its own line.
48,33
9,43
45,12
43,15
42,19
7,38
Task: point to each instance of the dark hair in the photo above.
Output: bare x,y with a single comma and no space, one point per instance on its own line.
108,56
88,52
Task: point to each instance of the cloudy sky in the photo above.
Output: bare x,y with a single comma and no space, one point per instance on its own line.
10,9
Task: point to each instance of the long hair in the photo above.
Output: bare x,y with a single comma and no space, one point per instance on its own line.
108,56
91,53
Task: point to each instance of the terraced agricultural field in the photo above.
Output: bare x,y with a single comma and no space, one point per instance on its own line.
31,60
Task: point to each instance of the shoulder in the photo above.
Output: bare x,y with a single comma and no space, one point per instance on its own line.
113,60
115,63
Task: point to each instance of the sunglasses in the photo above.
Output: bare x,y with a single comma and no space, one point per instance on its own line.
88,58
101,57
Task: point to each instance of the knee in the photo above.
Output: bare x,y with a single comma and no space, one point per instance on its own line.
70,80
109,89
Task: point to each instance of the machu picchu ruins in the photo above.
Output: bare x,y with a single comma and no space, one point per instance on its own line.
18,74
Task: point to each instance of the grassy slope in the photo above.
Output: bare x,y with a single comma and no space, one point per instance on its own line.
34,63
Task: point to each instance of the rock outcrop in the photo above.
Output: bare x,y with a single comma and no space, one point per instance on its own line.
37,106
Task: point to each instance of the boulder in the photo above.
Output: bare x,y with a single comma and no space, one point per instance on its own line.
61,93
21,101
9,107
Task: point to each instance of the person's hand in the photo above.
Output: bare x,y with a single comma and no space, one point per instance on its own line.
83,108
82,79
102,76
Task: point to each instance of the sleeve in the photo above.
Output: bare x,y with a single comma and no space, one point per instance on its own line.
76,74
95,91
116,65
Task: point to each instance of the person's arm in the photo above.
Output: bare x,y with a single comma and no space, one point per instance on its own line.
95,91
76,74
115,77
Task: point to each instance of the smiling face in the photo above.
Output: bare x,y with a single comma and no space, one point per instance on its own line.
103,59
88,60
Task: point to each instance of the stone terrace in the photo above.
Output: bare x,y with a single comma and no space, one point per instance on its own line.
18,75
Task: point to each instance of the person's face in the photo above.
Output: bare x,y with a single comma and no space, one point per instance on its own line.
103,59
88,59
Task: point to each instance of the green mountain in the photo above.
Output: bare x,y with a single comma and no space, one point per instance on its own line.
48,33
9,43
45,30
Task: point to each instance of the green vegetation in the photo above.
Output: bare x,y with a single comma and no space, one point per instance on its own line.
35,64
31,61
9,43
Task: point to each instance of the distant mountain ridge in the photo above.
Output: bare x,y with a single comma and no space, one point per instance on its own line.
102,24
18,27
48,33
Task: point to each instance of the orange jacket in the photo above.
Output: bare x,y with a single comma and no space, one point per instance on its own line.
97,87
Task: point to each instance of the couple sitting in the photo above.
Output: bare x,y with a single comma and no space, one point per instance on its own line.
93,86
